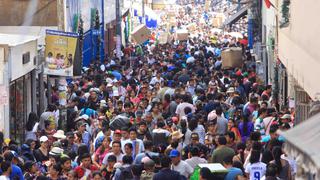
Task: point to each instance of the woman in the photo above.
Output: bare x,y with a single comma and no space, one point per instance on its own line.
255,169
242,153
32,126
101,151
233,128
55,173
155,111
283,165
133,98
245,128
108,171
49,131
42,154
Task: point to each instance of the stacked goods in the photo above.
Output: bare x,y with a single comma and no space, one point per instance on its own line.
232,58
182,35
140,34
163,37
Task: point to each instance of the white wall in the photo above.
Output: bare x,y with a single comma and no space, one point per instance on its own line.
299,44
17,68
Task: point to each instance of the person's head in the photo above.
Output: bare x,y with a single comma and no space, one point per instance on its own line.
263,112
133,133
125,133
136,170
97,175
273,132
205,174
165,162
72,175
255,156
227,161
65,163
148,145
126,159
54,170
195,151
160,124
85,160
231,124
175,156
143,127
112,159
194,138
116,147
222,140
128,148
230,137
30,167
6,167
32,119
219,111
272,170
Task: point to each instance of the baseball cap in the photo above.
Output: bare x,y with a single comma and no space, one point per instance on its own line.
117,131
43,139
174,153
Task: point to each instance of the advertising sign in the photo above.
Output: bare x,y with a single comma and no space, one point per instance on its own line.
62,53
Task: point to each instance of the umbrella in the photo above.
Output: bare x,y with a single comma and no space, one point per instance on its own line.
236,35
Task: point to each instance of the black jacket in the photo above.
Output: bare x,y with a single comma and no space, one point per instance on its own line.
168,174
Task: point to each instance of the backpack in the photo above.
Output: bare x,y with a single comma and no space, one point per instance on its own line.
126,173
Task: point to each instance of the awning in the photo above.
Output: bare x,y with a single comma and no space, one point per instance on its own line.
238,15
302,142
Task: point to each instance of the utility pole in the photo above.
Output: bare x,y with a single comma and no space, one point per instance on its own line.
118,30
143,13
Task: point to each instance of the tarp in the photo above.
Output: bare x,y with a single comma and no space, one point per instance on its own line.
302,142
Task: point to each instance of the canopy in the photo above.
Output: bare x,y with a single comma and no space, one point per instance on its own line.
302,143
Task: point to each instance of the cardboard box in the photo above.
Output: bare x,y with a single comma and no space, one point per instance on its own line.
163,37
232,58
192,27
140,34
207,5
182,35
217,22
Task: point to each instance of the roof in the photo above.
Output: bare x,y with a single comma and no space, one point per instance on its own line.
235,17
14,39
305,138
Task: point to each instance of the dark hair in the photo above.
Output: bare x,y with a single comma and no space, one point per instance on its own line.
255,156
255,136
187,110
245,124
231,135
165,162
241,146
205,173
148,144
47,123
116,142
136,170
51,107
238,164
32,119
219,111
57,167
96,173
195,151
127,159
160,124
129,145
266,156
256,146
277,152
222,140
83,149
262,110
228,160
272,170
193,123
5,165
112,158
64,159
183,124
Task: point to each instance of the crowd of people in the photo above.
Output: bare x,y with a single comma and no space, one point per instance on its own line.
157,113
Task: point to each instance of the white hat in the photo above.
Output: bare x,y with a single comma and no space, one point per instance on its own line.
59,134
56,151
109,85
43,139
212,115
84,116
231,90
286,116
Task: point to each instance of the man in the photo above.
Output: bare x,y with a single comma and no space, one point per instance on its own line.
174,104
116,151
71,145
15,171
6,170
125,171
195,143
233,172
160,134
222,123
143,133
221,151
259,124
48,115
183,105
230,136
148,172
179,165
85,135
65,164
86,168
194,159
166,173
157,79
266,93
137,144
148,145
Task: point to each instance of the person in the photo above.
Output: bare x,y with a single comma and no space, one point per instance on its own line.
283,166
259,124
97,175
245,128
30,170
32,126
6,169
222,151
108,171
15,171
195,127
222,123
128,149
142,132
194,158
137,144
232,127
230,136
115,151
166,172
55,173
85,135
148,145
72,146
125,171
233,172
195,142
149,167
65,162
85,168
49,114
255,169
101,152
242,153
205,174
42,154
179,165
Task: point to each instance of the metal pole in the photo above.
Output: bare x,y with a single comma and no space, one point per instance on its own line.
118,29
143,13
102,33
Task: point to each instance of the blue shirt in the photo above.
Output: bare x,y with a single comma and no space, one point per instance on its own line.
233,173
86,139
266,139
16,172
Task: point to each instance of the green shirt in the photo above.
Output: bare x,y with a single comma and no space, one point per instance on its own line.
220,153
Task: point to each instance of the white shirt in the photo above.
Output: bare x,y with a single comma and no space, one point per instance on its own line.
3,177
105,159
138,141
256,170
194,161
183,168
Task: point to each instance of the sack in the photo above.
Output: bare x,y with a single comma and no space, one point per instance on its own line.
119,122
232,58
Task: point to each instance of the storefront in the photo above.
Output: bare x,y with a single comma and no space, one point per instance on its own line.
19,83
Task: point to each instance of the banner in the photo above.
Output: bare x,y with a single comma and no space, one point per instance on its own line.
62,53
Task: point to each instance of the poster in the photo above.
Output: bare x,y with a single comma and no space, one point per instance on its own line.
61,53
